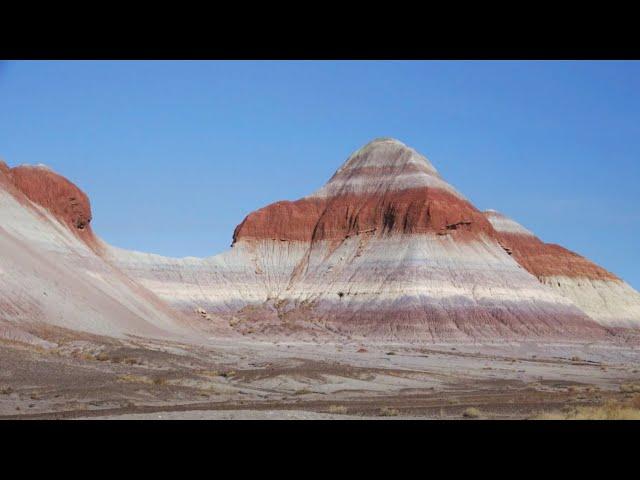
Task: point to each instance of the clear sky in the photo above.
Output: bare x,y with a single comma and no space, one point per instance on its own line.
174,154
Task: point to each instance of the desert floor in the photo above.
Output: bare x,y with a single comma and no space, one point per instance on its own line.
94,377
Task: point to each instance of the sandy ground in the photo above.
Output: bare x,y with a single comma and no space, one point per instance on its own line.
99,377
231,415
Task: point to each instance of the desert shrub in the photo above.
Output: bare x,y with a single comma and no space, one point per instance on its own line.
635,402
337,409
630,388
388,412
607,411
471,412
127,378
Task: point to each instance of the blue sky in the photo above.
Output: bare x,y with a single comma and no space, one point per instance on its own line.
174,154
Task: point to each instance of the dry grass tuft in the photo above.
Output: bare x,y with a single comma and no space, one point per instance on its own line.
608,411
630,388
128,378
635,402
302,391
338,409
471,412
102,357
388,412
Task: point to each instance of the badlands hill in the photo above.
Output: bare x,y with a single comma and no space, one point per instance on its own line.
52,270
386,250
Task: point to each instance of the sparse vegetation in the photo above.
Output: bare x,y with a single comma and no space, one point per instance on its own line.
128,378
6,390
388,412
302,391
102,357
611,410
630,388
337,409
471,412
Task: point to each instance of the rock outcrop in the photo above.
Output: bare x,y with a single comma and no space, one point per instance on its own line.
387,250
51,269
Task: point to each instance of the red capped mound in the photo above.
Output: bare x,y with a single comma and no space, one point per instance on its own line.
383,188
63,199
539,258
548,259
416,210
291,221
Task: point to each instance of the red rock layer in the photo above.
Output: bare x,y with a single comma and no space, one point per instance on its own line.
416,210
59,196
548,259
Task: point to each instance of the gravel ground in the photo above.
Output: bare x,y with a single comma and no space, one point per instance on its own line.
95,377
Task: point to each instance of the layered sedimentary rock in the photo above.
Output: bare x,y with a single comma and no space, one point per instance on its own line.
602,295
386,249
51,271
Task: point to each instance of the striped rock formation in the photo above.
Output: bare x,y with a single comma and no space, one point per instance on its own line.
51,268
385,250
599,293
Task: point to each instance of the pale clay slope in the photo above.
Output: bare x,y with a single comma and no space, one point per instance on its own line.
505,224
49,275
610,303
429,266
